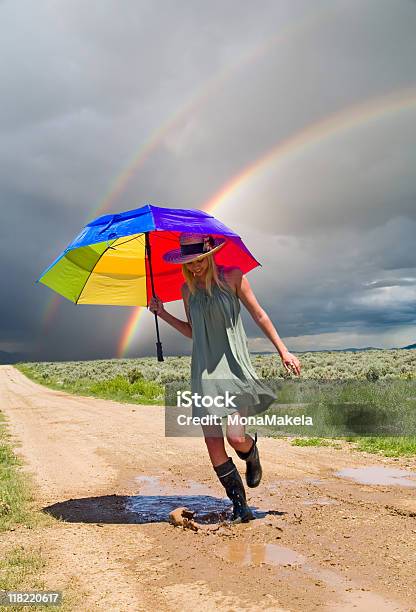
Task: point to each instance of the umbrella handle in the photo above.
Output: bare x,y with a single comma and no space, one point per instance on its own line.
159,351
158,343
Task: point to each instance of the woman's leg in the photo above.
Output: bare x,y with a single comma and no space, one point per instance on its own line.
237,437
227,472
214,439
246,448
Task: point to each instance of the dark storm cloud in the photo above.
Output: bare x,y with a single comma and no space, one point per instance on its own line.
337,282
392,282
84,86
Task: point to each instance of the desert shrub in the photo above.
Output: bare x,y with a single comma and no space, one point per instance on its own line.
370,366
134,375
372,374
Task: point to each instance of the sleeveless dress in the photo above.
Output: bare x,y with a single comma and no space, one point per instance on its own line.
220,357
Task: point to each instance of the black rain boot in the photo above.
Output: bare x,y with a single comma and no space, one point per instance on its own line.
233,485
253,469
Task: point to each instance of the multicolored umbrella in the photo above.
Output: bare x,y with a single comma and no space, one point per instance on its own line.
117,259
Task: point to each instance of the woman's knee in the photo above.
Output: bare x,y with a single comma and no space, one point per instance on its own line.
213,436
212,432
236,440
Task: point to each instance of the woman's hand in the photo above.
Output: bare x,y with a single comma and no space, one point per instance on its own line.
156,306
291,363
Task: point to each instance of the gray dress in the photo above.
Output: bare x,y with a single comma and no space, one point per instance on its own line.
220,356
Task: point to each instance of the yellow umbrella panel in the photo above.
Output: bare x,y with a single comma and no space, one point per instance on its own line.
109,273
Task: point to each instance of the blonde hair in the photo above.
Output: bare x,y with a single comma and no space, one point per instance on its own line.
210,277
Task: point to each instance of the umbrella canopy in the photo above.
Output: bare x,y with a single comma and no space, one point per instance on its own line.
108,262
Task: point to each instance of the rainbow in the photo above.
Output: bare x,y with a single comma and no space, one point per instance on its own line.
197,101
50,312
338,122
129,331
352,117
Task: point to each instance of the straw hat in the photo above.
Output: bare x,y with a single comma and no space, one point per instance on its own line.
193,247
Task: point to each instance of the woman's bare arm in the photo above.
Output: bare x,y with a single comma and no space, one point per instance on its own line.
184,327
185,297
260,316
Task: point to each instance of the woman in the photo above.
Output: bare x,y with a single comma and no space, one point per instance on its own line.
220,355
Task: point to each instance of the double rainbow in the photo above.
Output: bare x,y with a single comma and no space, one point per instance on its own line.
313,19
374,109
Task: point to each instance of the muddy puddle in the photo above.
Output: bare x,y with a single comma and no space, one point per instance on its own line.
156,508
347,594
246,554
156,499
377,475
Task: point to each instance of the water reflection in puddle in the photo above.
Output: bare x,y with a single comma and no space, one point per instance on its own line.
376,475
157,496
272,554
246,554
156,508
155,500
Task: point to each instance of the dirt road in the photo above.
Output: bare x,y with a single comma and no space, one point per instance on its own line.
321,542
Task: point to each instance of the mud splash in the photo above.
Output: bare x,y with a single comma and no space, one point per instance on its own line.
376,475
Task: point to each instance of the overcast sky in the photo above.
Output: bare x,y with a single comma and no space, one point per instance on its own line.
216,85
